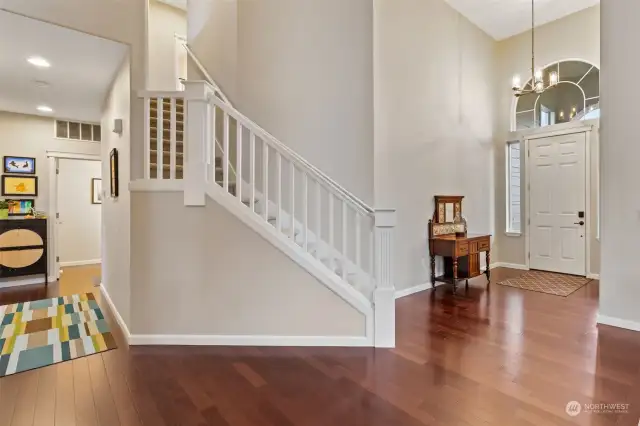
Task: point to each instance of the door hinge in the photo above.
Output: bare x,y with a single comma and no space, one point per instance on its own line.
57,258
528,221
529,255
57,171
57,215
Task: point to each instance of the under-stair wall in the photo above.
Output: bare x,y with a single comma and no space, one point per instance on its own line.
203,277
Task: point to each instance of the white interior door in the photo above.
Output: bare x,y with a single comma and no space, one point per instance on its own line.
79,224
557,179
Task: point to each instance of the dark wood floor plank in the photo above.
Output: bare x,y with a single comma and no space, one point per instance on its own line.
25,406
45,410
106,410
117,374
9,397
498,357
83,398
65,396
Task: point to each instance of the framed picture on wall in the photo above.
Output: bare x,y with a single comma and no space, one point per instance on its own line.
113,171
20,185
20,165
96,191
20,207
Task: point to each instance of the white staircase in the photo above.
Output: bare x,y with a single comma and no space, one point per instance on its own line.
213,150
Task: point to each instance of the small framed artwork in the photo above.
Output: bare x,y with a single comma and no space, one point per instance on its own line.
20,185
21,207
20,165
96,191
113,169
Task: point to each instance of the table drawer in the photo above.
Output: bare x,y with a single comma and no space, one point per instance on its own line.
462,249
483,245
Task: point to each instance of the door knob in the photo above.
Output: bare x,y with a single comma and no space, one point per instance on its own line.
581,223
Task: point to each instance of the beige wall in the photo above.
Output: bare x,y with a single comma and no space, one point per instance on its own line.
116,212
208,273
554,42
164,22
619,289
303,70
434,122
32,136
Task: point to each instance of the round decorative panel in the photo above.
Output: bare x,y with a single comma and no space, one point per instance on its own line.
20,238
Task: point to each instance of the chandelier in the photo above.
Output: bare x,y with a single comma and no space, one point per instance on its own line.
538,84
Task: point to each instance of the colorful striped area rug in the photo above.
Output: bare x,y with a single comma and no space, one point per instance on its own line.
45,332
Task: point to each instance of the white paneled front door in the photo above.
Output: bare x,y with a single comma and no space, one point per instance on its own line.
557,199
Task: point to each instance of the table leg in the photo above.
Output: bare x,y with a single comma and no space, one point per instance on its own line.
455,273
433,271
488,271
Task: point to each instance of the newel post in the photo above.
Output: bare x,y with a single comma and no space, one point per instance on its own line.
384,296
198,132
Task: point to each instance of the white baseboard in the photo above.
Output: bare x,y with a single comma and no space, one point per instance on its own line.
415,289
116,314
81,262
593,276
20,281
509,265
618,322
224,340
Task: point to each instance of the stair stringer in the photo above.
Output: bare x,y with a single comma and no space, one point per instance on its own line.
362,281
312,265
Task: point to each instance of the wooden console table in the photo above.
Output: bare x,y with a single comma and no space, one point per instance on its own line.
448,238
461,257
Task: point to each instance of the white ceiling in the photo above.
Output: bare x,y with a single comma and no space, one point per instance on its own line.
504,18
81,72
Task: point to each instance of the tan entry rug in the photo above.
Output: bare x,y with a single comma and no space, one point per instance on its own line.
547,282
44,332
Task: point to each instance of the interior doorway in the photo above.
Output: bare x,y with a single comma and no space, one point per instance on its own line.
558,200
76,198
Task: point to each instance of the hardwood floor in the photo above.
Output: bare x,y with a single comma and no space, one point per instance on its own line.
504,357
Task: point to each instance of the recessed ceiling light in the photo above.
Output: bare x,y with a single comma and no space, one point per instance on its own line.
44,108
39,62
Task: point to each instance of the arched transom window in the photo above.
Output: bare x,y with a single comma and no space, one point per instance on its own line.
576,97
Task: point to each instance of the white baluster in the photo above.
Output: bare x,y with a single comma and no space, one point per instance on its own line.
292,206
147,138
279,191
331,230
239,160
225,153
358,242
265,180
318,218
214,132
305,217
384,296
252,171
344,240
172,140
160,144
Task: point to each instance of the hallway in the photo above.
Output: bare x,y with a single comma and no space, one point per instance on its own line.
498,357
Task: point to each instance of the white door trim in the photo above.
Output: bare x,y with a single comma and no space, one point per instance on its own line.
52,160
527,220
